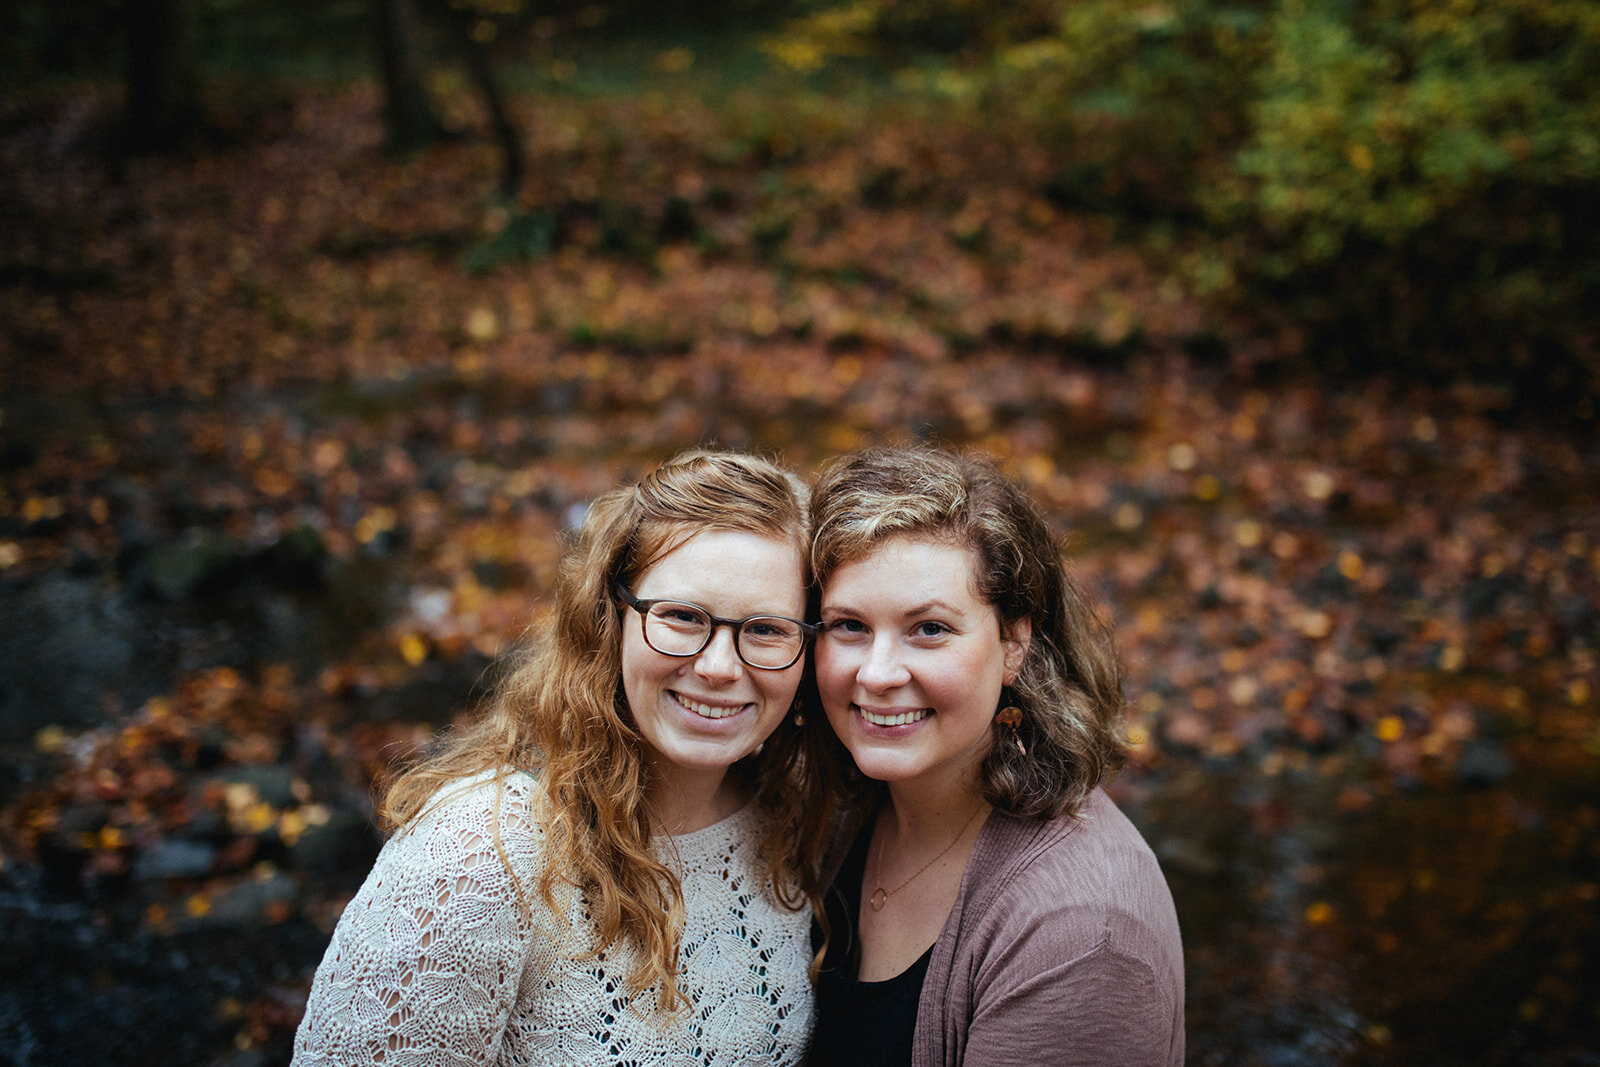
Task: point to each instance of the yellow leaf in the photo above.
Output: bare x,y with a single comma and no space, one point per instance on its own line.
483,324
50,739
291,824
257,817
414,649
675,61
1316,624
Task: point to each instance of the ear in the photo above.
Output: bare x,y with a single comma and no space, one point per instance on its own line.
1016,641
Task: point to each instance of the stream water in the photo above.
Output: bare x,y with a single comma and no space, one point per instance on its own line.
1331,913
1441,924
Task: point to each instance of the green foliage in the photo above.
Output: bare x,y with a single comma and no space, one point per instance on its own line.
521,237
1437,158
1379,130
1143,97
902,30
1406,176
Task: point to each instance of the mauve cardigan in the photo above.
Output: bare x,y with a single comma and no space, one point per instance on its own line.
1062,948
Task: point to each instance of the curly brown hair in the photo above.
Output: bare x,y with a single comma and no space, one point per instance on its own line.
562,713
1069,688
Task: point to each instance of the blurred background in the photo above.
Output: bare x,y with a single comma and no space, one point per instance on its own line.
321,321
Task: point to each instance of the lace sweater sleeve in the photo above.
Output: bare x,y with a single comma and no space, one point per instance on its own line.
426,963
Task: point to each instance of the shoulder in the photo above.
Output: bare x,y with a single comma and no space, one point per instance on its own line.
473,819
1057,920
1071,888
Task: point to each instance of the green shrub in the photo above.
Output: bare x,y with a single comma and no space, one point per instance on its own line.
1461,139
1413,180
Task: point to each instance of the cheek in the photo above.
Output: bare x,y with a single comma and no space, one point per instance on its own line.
778,689
835,674
640,666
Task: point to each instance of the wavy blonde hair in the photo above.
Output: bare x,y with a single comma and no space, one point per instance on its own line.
562,712
1069,688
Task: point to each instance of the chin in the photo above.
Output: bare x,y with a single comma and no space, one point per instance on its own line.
716,759
884,769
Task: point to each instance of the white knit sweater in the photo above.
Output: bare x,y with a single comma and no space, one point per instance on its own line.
435,962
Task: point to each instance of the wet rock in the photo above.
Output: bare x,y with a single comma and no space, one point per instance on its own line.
1190,856
85,817
346,844
1578,614
273,785
1480,598
297,560
440,691
174,571
250,903
250,1057
1483,763
65,642
174,858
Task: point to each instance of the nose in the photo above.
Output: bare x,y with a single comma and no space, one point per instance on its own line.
884,668
719,660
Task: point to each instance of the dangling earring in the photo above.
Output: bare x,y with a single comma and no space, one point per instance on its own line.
1011,715
799,716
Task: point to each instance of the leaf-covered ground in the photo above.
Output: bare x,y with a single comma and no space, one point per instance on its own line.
291,433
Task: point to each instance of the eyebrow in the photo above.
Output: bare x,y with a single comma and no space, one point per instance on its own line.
697,604
920,609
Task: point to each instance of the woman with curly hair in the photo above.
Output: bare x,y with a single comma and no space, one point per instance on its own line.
994,906
612,865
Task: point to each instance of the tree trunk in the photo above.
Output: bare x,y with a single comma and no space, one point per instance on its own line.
408,119
163,81
505,133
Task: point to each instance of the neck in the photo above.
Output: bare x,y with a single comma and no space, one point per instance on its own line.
931,812
683,800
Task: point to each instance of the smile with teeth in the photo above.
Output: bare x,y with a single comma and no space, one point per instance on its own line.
708,711
902,718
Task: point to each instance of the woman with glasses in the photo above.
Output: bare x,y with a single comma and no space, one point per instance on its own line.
616,864
992,906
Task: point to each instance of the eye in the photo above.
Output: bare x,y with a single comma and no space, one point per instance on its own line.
682,616
929,628
844,627
770,629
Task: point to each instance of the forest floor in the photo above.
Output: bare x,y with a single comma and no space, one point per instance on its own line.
291,434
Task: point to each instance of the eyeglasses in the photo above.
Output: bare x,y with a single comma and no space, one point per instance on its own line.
674,628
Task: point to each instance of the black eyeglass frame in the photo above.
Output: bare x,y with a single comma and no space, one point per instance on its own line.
807,630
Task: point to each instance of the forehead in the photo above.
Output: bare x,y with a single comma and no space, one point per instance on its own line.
730,571
906,568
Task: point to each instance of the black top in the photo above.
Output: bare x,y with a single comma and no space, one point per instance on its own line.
866,1023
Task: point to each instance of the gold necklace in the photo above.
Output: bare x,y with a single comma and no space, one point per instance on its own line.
880,896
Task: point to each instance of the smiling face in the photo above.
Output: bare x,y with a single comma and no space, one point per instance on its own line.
700,714
911,660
